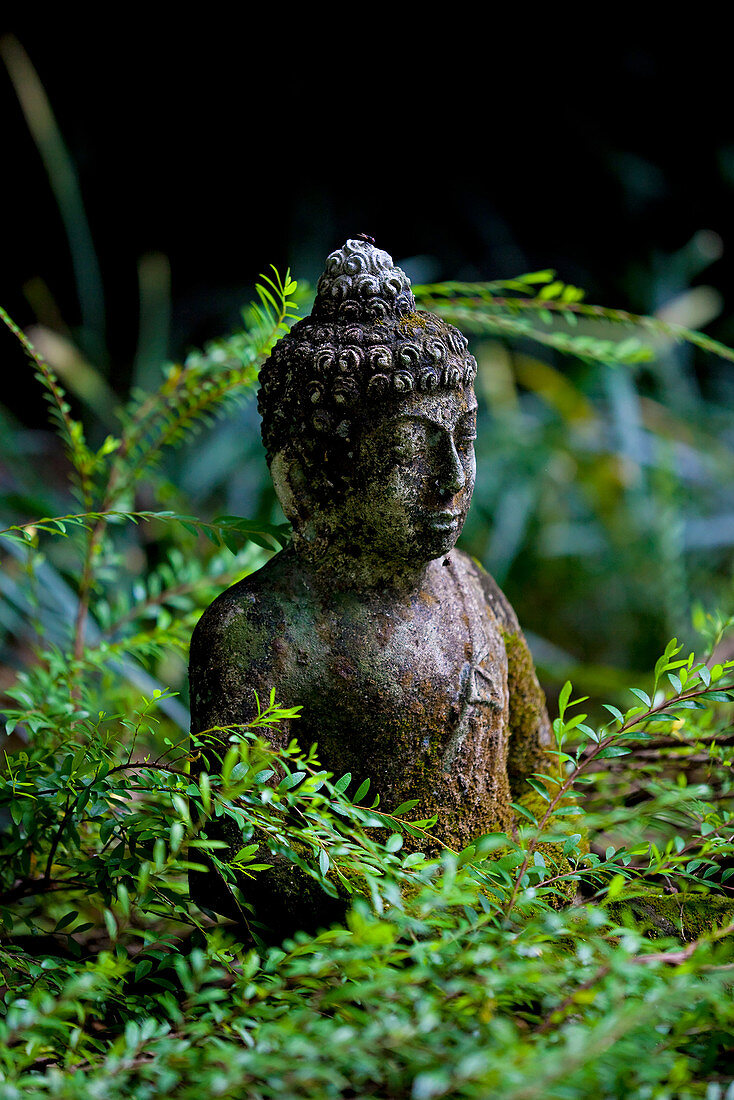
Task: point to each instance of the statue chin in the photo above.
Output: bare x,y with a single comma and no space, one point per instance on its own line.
442,543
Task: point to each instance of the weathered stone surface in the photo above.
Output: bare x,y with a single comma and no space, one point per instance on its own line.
685,917
407,659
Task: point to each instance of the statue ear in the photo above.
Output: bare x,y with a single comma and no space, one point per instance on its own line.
292,486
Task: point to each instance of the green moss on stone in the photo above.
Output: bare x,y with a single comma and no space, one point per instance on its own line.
412,322
686,917
527,717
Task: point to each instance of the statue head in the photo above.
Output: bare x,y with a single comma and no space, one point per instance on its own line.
368,416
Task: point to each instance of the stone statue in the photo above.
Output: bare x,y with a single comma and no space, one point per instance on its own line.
405,656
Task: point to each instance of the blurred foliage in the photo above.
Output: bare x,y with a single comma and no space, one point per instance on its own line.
604,495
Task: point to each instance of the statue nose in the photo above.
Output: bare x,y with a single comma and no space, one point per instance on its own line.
451,477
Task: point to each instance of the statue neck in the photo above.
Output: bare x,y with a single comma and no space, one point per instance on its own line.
346,568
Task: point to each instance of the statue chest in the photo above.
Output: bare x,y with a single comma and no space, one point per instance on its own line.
413,697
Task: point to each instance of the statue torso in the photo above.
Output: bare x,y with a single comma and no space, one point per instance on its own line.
407,690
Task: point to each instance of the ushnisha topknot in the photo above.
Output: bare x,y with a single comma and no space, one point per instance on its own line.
365,343
361,283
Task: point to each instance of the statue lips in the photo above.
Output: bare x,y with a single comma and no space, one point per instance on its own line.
444,521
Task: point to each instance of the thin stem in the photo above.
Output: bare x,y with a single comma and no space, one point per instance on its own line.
27,887
57,838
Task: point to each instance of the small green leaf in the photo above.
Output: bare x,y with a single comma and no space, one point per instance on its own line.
159,853
538,277
245,853
143,967
405,807
111,924
616,886
66,920
552,290
362,790
291,780
537,786
341,784
123,898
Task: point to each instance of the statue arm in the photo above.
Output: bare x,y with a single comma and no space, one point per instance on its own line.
227,667
232,665
530,732
236,651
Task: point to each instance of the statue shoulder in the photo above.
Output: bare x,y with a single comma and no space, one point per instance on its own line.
500,606
252,607
238,648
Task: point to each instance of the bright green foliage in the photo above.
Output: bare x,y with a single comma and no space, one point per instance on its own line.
513,307
470,975
452,977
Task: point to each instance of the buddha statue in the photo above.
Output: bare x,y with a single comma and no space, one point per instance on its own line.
405,656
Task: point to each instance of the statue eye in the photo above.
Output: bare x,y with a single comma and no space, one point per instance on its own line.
403,453
399,445
466,432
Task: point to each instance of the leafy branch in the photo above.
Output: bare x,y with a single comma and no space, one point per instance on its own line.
499,307
221,531
189,397
692,683
70,431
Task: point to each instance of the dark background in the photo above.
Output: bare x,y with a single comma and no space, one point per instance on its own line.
226,148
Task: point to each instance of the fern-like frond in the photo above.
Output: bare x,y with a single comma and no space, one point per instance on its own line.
195,393
226,531
528,306
501,322
177,587
70,430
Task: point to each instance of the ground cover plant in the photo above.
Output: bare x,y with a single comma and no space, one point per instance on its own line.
589,951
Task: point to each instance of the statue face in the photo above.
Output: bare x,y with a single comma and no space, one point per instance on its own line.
414,477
